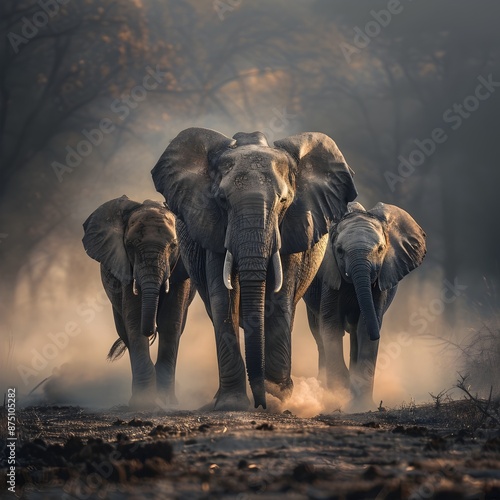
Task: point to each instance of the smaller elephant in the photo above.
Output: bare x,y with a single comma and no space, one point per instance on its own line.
148,286
368,253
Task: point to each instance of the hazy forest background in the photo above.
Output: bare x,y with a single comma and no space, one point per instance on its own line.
374,84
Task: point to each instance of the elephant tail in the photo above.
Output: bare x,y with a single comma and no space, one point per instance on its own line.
117,350
119,347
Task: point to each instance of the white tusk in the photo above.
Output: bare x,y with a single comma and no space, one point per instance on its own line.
167,286
347,275
134,288
278,272
228,268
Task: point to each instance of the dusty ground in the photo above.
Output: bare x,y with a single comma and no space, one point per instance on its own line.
415,452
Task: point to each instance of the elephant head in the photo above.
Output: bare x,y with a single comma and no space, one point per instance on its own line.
252,202
137,243
376,247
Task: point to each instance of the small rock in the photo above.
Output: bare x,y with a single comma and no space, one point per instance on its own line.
304,473
214,468
437,443
372,425
265,427
372,473
399,429
161,430
135,422
415,430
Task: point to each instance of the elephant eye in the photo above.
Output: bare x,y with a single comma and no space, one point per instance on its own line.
222,197
380,248
225,167
340,251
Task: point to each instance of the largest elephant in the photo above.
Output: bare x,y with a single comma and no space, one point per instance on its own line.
253,222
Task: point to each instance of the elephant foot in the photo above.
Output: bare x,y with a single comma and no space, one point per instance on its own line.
361,405
208,407
143,401
281,390
231,401
166,400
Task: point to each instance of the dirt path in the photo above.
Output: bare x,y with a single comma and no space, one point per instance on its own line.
417,453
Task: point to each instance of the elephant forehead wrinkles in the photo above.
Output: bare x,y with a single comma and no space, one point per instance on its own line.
247,179
156,231
360,222
359,239
247,155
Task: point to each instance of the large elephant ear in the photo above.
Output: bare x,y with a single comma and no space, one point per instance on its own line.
103,239
324,186
407,247
184,175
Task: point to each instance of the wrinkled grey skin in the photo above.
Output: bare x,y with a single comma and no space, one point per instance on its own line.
145,280
253,222
368,253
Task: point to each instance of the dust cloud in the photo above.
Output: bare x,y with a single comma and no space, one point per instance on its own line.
69,346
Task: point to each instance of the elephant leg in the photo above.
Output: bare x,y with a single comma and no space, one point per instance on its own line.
120,327
313,320
363,371
312,298
171,320
332,335
113,289
279,317
224,305
353,353
143,370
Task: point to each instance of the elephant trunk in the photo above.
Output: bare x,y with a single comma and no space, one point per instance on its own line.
150,278
360,271
252,240
252,309
150,298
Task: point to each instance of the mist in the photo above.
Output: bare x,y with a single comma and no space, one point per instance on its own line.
91,100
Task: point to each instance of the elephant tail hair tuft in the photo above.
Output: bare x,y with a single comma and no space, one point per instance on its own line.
117,350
